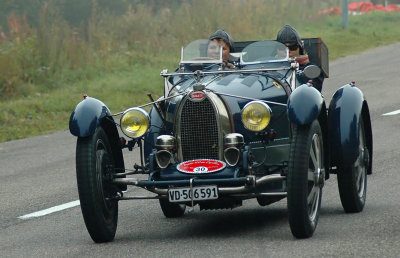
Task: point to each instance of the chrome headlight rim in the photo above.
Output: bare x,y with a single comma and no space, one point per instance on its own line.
141,112
263,105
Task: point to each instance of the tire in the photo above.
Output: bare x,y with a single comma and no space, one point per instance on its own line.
264,201
352,181
94,163
305,179
172,210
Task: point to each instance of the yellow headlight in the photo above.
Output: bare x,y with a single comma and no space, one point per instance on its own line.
256,115
135,122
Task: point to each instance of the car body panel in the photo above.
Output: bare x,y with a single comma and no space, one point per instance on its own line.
345,113
86,117
304,105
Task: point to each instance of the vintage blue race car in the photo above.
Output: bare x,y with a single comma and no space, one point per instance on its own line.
222,134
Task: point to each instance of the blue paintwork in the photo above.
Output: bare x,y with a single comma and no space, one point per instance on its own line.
87,116
304,105
345,112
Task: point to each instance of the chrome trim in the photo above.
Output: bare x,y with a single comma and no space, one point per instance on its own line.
274,194
166,145
139,198
231,156
233,140
159,191
232,144
167,158
222,118
254,195
262,104
165,142
222,114
230,71
293,78
222,190
126,181
146,115
164,194
167,85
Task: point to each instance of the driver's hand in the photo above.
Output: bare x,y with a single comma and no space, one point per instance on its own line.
229,65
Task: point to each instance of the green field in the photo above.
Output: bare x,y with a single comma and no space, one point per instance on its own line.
46,69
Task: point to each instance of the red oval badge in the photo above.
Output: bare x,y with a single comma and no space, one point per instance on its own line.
201,166
197,95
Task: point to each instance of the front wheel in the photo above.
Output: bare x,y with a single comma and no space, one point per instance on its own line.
94,165
352,181
305,179
172,210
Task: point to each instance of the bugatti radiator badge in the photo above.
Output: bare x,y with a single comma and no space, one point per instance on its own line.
197,96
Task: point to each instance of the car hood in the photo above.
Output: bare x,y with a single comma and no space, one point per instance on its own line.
236,90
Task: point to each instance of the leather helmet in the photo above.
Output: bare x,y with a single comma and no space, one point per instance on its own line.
289,35
222,34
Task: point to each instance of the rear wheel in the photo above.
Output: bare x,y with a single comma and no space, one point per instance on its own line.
94,166
305,179
172,210
352,181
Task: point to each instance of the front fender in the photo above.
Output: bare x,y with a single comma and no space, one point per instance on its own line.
87,116
345,112
304,105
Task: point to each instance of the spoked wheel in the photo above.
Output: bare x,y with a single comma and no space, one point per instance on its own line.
305,179
172,210
94,166
352,181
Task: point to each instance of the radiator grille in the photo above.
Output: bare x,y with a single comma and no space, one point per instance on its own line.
198,131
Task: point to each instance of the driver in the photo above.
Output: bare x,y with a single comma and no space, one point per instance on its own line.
291,38
221,38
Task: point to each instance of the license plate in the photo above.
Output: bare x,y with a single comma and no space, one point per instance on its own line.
200,193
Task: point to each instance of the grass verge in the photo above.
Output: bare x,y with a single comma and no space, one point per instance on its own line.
45,110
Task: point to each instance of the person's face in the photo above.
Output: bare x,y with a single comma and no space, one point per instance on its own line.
294,50
213,49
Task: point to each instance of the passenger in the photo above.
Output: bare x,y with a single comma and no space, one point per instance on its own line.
221,38
291,38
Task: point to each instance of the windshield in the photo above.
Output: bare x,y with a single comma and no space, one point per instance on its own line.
201,51
264,51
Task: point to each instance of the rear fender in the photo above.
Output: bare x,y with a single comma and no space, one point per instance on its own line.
346,109
304,105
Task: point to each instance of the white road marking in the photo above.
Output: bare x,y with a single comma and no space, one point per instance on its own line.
51,210
392,113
